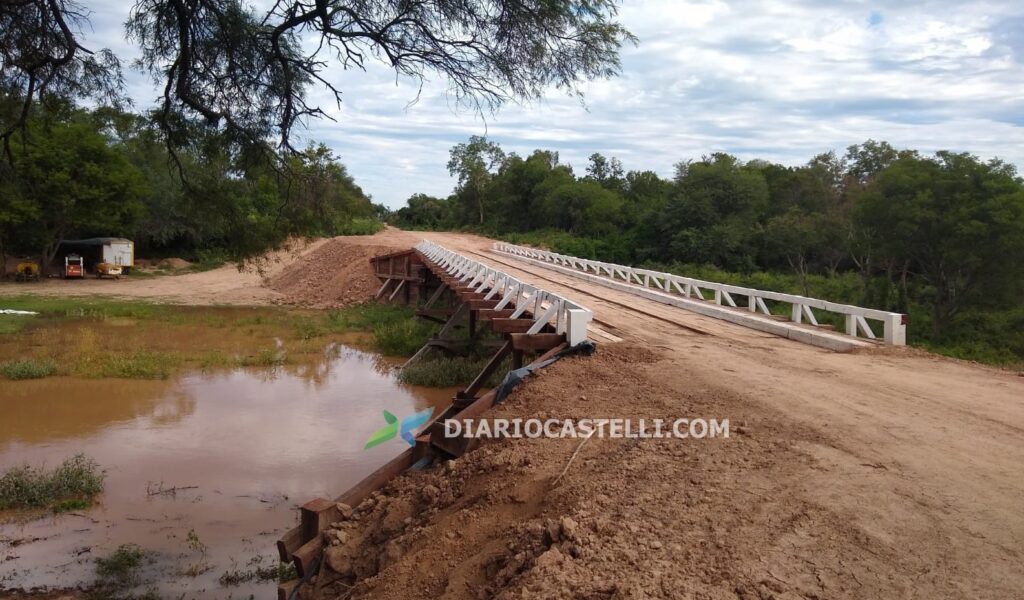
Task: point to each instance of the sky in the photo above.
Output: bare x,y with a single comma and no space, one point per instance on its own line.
781,80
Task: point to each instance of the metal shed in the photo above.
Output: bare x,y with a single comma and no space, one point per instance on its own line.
116,251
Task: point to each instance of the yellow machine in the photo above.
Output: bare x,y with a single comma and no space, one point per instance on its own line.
105,269
27,271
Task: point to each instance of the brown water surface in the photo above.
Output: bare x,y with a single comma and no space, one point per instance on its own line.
248,446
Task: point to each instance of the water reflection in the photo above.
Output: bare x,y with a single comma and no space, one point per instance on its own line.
248,444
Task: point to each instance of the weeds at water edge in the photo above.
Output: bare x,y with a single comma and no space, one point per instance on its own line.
71,486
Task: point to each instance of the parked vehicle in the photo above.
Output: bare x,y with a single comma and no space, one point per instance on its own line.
105,269
116,251
74,267
27,271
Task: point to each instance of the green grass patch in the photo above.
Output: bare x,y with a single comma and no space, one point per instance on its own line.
71,486
96,308
142,364
120,568
450,371
404,338
28,368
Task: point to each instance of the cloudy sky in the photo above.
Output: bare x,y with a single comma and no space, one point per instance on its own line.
775,79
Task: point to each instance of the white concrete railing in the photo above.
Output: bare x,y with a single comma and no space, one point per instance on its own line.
544,307
894,324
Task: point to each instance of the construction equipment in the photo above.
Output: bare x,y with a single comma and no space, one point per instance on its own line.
27,271
105,269
74,267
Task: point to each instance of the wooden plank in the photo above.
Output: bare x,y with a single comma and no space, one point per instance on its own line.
479,304
304,555
435,296
289,542
457,446
487,314
399,277
284,590
511,325
488,370
398,288
472,295
536,341
313,517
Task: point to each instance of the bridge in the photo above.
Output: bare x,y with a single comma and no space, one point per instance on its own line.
838,370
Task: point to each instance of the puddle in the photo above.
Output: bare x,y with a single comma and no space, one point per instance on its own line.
244,448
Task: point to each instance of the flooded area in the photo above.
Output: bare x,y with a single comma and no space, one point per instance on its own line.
203,470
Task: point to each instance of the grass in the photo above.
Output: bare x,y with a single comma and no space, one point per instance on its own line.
396,330
120,566
71,486
449,371
98,337
140,364
117,573
104,338
28,368
403,338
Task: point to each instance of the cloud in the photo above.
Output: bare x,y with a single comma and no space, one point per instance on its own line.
779,79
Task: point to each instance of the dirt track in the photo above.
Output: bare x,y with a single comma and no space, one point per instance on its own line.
868,475
876,474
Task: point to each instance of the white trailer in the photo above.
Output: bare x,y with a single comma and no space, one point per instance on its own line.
119,252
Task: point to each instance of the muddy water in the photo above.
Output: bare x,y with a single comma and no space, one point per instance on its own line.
243,447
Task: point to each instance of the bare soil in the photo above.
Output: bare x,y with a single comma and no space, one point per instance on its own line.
877,474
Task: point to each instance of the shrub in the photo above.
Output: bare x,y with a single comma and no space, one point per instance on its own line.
70,486
403,338
28,368
449,372
120,566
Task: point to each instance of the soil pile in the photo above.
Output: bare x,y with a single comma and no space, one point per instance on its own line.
631,518
336,274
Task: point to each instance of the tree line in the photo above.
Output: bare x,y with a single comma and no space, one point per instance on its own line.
75,173
939,236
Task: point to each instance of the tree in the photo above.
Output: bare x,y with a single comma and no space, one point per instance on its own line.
864,161
41,59
714,215
75,183
521,185
474,163
607,172
584,208
957,221
249,72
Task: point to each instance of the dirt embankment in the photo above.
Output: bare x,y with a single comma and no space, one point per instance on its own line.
727,518
337,273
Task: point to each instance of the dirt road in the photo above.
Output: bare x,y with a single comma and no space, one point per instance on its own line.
875,474
227,284
892,474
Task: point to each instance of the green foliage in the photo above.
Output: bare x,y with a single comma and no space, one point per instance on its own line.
140,364
937,237
106,172
449,371
367,316
28,368
71,485
361,226
120,567
402,338
68,180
